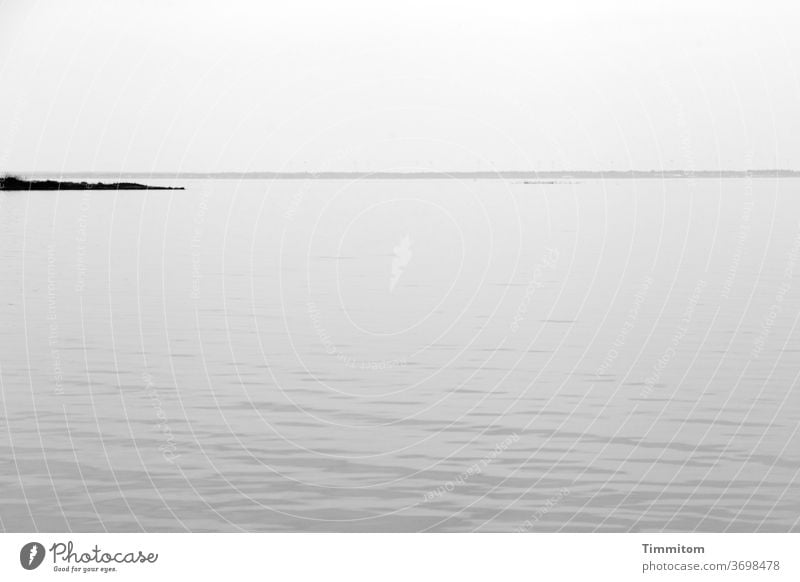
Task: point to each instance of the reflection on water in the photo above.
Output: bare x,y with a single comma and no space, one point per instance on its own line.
402,355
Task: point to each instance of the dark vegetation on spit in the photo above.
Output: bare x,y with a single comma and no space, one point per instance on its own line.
14,183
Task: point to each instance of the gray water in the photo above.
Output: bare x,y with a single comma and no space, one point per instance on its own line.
383,355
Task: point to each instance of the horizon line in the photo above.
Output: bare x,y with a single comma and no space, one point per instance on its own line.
419,174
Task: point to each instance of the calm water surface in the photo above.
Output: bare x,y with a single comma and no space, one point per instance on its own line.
402,355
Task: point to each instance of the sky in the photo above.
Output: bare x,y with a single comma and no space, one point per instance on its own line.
401,86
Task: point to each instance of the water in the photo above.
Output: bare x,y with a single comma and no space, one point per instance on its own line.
412,355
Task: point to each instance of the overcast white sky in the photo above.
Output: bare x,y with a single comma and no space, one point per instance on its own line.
319,85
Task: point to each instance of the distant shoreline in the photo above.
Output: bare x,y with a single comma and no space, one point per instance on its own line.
15,184
499,175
